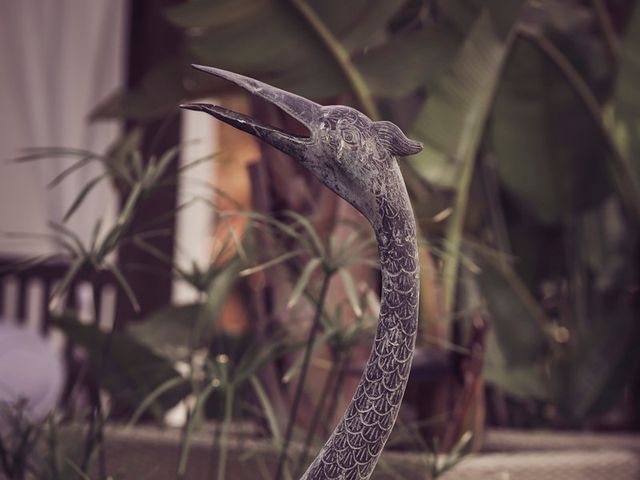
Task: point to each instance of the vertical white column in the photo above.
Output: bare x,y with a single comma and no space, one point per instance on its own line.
194,224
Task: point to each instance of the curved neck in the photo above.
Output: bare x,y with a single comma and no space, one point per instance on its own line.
353,449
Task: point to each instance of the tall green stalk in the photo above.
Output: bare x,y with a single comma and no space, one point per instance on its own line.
317,415
224,433
95,432
303,375
343,370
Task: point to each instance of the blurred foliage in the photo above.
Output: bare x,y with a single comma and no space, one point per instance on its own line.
530,116
181,352
125,367
528,188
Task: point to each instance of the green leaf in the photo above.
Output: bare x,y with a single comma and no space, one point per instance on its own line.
303,281
460,14
595,370
309,228
124,284
549,151
221,285
365,19
40,153
95,233
524,381
63,286
267,408
161,91
75,166
296,366
260,40
212,14
271,263
167,331
453,119
166,159
153,397
65,231
408,61
194,419
257,35
351,291
129,370
517,321
176,329
82,195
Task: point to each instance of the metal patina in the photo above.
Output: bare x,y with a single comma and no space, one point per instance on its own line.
356,158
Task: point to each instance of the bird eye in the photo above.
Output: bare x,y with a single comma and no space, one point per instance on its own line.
351,136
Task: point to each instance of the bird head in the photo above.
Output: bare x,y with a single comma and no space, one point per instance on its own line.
345,149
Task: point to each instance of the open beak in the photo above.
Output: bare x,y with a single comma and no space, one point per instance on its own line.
303,110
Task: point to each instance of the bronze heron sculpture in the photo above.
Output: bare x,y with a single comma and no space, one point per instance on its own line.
356,158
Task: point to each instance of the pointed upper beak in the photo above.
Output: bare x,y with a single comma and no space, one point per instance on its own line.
303,110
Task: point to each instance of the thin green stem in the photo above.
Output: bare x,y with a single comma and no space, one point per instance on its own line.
316,416
342,376
95,432
224,434
183,447
341,56
455,225
303,375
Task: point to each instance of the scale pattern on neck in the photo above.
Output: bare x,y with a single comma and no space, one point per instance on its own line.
353,449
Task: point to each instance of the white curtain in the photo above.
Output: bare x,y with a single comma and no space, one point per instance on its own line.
58,59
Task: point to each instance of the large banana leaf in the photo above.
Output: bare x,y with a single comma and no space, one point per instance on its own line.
452,122
550,152
529,381
518,322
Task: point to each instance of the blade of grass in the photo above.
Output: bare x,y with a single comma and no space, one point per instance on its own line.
95,234
224,434
282,459
306,224
62,287
351,291
122,281
303,281
76,469
69,170
267,408
82,195
185,446
271,263
63,230
153,396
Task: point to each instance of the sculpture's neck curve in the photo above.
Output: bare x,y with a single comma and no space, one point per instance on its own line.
353,449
